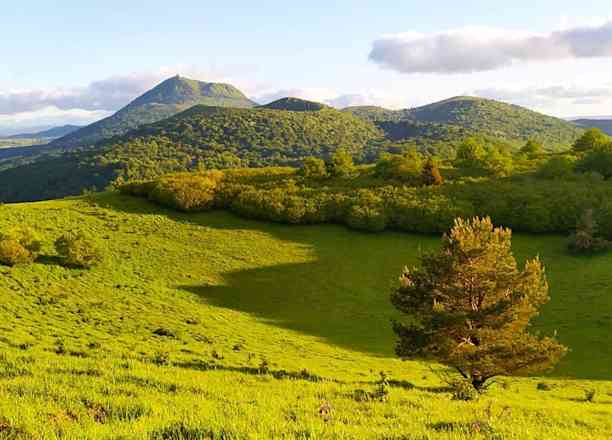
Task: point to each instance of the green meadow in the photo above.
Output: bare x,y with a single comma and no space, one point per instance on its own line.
209,326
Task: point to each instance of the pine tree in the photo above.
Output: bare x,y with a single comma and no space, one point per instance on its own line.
431,174
469,305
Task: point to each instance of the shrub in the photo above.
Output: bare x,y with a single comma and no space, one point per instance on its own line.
497,162
407,167
587,238
532,148
12,253
314,168
557,167
75,249
593,138
341,164
470,154
19,246
597,160
187,192
463,390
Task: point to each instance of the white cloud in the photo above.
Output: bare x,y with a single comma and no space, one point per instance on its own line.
551,97
477,49
49,117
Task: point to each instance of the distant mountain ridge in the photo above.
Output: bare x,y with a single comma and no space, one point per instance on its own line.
51,133
163,101
604,125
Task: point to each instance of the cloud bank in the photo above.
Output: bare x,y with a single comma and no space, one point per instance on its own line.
106,95
551,97
475,49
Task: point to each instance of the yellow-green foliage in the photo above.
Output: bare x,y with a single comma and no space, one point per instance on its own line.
19,246
75,249
13,253
187,192
205,325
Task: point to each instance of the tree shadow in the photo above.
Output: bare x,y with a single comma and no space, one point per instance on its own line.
290,296
49,260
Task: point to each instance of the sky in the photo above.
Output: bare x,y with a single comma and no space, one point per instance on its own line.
66,61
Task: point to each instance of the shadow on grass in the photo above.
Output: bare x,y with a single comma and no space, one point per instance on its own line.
49,260
340,293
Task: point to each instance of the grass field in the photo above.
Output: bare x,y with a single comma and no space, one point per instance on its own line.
209,326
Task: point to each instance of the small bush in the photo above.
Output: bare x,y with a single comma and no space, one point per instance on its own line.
463,390
12,253
314,168
19,246
587,238
589,395
76,250
543,386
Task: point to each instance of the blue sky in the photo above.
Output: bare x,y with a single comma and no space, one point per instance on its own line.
75,61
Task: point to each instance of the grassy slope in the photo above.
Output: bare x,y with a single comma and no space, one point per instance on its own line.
78,346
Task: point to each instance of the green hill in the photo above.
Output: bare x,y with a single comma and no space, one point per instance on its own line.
203,326
464,116
295,105
167,99
200,136
498,119
604,125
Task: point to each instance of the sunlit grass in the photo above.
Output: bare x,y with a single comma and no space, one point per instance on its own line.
210,326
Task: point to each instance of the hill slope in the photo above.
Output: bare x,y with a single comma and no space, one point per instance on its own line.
167,99
604,125
497,119
188,330
462,116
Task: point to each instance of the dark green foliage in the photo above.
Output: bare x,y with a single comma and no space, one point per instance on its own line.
19,246
557,167
468,306
314,168
593,138
431,174
75,249
588,239
597,160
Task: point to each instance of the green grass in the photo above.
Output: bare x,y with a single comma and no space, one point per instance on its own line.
82,355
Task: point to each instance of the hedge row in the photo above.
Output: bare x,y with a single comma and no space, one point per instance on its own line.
523,204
